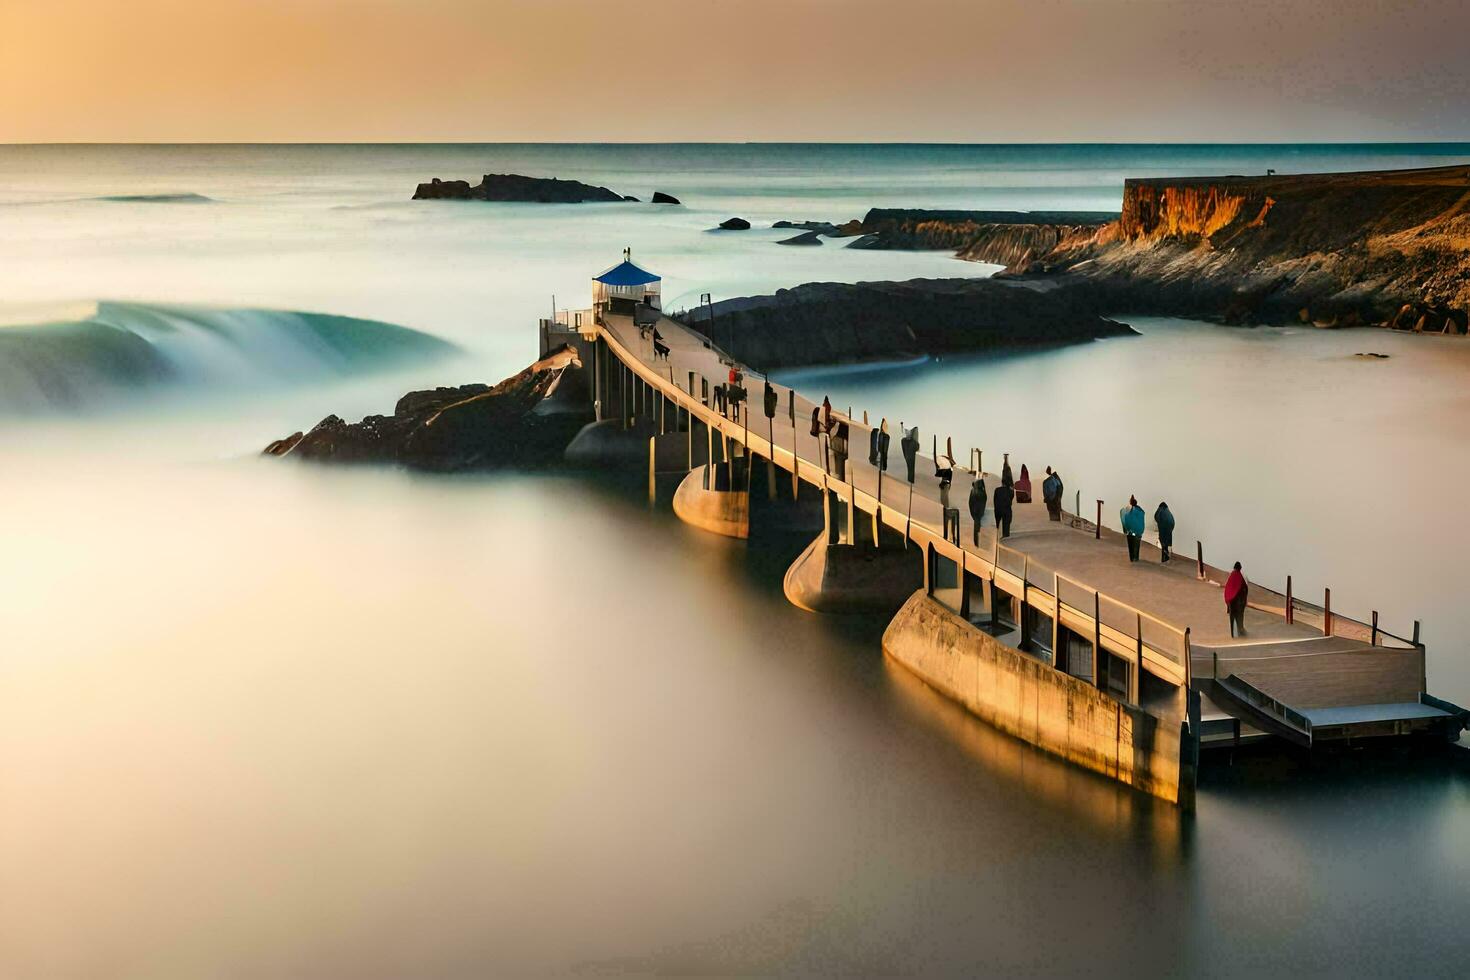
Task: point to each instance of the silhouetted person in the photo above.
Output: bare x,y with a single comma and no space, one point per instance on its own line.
910,446
1237,594
1023,486
1006,478
1164,518
1051,494
873,446
1132,517
826,414
839,450
883,442
977,505
1004,495
816,421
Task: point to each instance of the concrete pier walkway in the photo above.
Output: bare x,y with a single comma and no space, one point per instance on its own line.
1165,621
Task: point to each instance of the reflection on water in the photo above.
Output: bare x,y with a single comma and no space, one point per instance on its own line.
261,719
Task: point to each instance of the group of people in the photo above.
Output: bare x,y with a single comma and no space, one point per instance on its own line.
1133,523
1013,490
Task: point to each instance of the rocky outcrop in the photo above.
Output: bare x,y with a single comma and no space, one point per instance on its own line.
1389,248
659,197
473,426
825,323
735,224
906,228
805,238
1024,247
514,187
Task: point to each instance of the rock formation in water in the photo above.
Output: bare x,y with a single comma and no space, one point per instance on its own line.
826,323
517,423
514,187
1389,248
805,238
735,224
659,197
906,228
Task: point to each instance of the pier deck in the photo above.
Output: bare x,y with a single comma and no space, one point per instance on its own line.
1280,673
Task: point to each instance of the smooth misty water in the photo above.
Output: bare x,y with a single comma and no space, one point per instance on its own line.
260,720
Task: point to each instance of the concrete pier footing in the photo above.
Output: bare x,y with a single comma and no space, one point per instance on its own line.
724,512
611,443
857,579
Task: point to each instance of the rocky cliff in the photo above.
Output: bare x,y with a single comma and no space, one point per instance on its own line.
1389,248
826,323
517,423
514,187
908,228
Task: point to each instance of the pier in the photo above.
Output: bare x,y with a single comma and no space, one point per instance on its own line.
1051,634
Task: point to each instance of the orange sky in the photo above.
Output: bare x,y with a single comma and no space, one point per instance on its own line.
981,71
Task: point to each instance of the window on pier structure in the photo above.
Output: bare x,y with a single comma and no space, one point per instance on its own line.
944,581
1116,676
1075,655
1038,634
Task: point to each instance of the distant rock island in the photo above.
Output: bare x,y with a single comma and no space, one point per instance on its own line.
514,187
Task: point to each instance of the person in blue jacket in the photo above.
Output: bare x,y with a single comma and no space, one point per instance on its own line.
1132,517
1164,518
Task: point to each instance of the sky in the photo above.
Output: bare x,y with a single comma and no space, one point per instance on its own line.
669,70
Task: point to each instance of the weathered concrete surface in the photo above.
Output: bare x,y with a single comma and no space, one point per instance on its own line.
1033,701
844,578
724,512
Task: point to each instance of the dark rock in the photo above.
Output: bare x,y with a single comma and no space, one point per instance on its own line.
870,242
805,238
473,426
735,224
282,446
826,323
819,227
515,187
659,197
630,197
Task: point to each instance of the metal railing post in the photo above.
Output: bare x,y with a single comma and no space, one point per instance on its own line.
1290,608
1326,612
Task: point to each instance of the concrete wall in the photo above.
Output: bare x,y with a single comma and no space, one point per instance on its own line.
1031,700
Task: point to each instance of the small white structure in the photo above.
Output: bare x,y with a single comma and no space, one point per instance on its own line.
624,287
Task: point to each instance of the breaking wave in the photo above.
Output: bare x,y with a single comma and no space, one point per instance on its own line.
118,350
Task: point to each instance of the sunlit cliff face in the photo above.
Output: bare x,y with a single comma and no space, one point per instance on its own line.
1095,70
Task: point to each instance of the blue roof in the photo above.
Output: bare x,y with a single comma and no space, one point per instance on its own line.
626,274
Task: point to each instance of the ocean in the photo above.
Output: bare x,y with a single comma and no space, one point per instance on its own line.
264,719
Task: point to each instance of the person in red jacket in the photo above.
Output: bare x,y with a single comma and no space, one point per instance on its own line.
1237,592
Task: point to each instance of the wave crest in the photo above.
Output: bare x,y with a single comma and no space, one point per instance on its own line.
133,349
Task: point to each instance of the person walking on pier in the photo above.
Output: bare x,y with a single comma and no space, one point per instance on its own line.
910,445
1005,471
873,446
1003,497
1023,486
1164,518
884,440
839,450
977,505
1237,593
1051,494
1132,517
826,415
